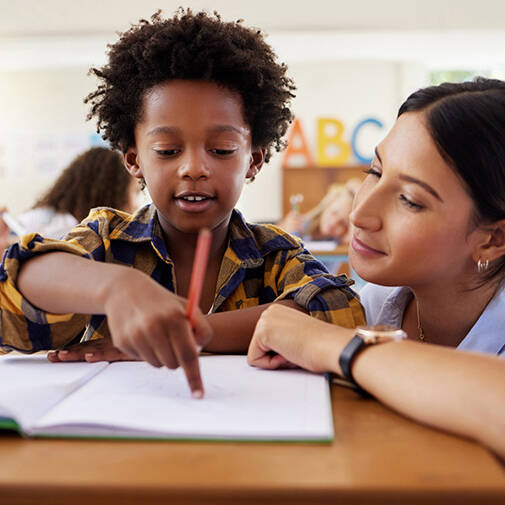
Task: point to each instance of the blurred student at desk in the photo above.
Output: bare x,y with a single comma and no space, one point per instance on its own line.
325,229
329,220
95,178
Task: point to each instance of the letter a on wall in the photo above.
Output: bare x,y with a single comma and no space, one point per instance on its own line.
297,153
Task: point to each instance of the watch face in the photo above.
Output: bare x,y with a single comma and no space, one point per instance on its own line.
372,334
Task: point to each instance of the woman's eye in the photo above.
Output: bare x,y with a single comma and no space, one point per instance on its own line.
372,171
410,204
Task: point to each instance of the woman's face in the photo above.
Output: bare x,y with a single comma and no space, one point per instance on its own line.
412,218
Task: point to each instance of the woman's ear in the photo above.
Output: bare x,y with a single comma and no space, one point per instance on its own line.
131,163
492,245
255,162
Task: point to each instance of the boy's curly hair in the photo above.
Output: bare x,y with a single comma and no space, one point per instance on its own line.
192,46
96,178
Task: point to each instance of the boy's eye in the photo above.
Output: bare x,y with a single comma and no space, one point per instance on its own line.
410,204
167,152
223,152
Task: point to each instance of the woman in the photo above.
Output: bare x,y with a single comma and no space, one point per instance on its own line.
429,217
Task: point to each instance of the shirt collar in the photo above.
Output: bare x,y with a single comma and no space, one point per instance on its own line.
486,334
251,243
143,226
243,245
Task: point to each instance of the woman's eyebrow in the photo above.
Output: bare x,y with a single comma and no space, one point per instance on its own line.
408,178
427,187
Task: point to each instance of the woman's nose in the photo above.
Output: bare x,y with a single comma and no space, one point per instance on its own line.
366,212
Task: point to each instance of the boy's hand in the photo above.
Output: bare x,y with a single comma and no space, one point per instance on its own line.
148,322
101,349
284,337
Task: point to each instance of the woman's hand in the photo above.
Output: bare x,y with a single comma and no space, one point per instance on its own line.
285,337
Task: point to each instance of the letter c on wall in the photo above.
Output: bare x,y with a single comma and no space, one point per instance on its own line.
359,126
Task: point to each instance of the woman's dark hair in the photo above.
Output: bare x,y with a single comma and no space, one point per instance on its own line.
467,122
96,178
198,47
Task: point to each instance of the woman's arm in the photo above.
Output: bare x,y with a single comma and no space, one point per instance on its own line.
457,391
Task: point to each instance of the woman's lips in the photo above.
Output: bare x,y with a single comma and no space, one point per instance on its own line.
365,250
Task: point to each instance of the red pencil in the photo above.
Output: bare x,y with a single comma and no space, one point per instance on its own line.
198,273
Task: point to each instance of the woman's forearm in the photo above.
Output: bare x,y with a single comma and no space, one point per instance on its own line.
453,390
457,391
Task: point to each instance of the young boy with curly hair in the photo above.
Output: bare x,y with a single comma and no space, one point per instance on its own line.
196,105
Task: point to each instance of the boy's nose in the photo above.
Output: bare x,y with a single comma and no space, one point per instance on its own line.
194,167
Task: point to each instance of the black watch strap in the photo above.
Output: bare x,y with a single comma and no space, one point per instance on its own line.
345,362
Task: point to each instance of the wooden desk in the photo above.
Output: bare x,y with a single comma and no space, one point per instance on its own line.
377,457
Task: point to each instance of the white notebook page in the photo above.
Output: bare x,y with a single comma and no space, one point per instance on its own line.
31,385
241,402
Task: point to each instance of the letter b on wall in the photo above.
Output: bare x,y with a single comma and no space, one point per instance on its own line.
332,149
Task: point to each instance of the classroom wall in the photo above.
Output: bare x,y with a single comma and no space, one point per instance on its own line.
43,122
347,90
42,127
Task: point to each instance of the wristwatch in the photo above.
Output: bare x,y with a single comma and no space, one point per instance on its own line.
366,335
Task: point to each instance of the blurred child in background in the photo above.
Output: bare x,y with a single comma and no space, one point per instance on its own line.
327,220
95,178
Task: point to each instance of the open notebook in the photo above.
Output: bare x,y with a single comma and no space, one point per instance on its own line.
135,400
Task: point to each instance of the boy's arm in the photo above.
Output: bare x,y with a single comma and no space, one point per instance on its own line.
146,321
300,281
234,329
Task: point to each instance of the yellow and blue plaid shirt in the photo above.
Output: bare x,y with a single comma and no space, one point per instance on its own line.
262,264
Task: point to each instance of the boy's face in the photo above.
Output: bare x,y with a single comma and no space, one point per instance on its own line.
193,148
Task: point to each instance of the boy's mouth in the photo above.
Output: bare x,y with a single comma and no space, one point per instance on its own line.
193,202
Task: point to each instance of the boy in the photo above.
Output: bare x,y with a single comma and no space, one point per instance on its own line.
196,106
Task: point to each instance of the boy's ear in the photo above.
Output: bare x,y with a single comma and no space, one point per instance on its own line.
131,162
492,245
256,162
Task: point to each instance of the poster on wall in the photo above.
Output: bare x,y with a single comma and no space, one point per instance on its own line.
41,154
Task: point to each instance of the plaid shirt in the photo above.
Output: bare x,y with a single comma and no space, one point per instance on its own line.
262,264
